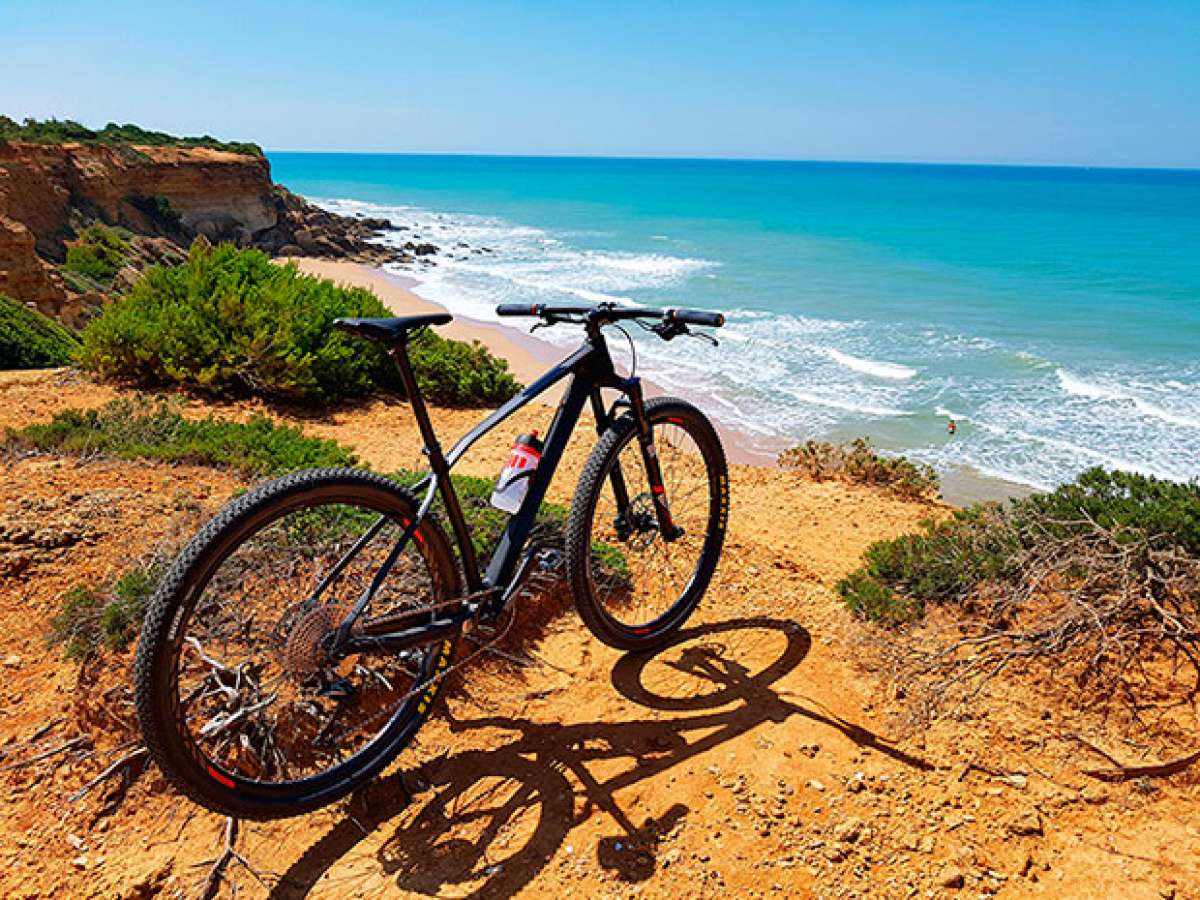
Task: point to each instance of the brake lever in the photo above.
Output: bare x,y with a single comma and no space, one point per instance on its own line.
669,330
704,336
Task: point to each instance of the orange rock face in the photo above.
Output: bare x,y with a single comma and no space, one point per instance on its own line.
23,275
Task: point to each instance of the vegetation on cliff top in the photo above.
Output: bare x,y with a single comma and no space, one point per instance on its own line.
29,340
991,545
858,463
66,131
231,321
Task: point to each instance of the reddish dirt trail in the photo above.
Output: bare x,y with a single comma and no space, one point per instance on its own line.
750,758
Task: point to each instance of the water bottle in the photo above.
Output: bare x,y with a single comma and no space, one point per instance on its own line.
513,483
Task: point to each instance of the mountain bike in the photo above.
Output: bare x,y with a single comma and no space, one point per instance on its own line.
299,641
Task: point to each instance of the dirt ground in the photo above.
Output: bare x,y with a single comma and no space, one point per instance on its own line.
755,756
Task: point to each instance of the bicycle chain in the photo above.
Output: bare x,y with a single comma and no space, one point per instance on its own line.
437,679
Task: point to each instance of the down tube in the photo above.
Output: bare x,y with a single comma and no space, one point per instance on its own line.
504,560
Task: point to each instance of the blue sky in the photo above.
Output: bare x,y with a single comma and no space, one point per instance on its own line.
1093,83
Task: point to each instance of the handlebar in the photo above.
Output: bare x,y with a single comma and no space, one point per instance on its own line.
608,312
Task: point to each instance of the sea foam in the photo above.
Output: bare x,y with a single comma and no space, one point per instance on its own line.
894,371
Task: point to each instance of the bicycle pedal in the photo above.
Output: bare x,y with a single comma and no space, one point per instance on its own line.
549,560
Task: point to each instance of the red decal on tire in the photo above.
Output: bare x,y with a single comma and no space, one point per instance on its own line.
217,776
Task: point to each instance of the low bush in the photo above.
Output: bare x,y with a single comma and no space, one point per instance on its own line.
29,340
99,255
1098,577
145,429
92,619
230,320
858,463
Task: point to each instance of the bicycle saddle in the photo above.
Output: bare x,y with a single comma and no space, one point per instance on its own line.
390,331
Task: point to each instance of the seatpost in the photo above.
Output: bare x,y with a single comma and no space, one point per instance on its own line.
437,462
433,450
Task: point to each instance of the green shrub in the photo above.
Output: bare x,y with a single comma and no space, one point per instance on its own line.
93,618
459,374
230,320
858,463
29,340
141,429
988,544
99,255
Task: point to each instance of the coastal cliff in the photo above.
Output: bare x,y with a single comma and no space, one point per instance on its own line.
164,197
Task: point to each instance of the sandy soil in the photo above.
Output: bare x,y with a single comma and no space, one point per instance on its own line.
755,757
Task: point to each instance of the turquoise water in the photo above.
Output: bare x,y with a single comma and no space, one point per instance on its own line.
1053,313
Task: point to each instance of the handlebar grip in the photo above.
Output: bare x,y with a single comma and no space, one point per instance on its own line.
696,317
519,309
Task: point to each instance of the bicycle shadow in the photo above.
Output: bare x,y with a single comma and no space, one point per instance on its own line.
497,816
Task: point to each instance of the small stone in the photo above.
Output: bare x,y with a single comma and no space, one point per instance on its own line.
816,785
849,831
835,852
1027,822
951,877
12,661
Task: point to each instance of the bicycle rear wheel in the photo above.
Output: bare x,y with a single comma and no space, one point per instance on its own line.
239,702
632,588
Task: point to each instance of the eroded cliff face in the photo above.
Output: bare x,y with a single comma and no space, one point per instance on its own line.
45,191
40,185
48,192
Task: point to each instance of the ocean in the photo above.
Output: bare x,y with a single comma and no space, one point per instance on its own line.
1053,313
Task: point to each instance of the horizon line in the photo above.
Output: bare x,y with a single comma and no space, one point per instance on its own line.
1131,167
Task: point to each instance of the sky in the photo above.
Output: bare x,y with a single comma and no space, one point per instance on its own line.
1045,81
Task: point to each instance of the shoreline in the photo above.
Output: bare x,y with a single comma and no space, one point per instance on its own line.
528,357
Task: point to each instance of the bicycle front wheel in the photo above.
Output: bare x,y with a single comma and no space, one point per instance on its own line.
239,700
633,586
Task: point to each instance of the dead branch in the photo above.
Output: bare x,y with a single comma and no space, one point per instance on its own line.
1105,609
229,854
126,762
1154,770
46,754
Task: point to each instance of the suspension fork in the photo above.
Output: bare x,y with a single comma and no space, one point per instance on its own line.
645,433
616,477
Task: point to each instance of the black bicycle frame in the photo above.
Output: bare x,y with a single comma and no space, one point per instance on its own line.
590,369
